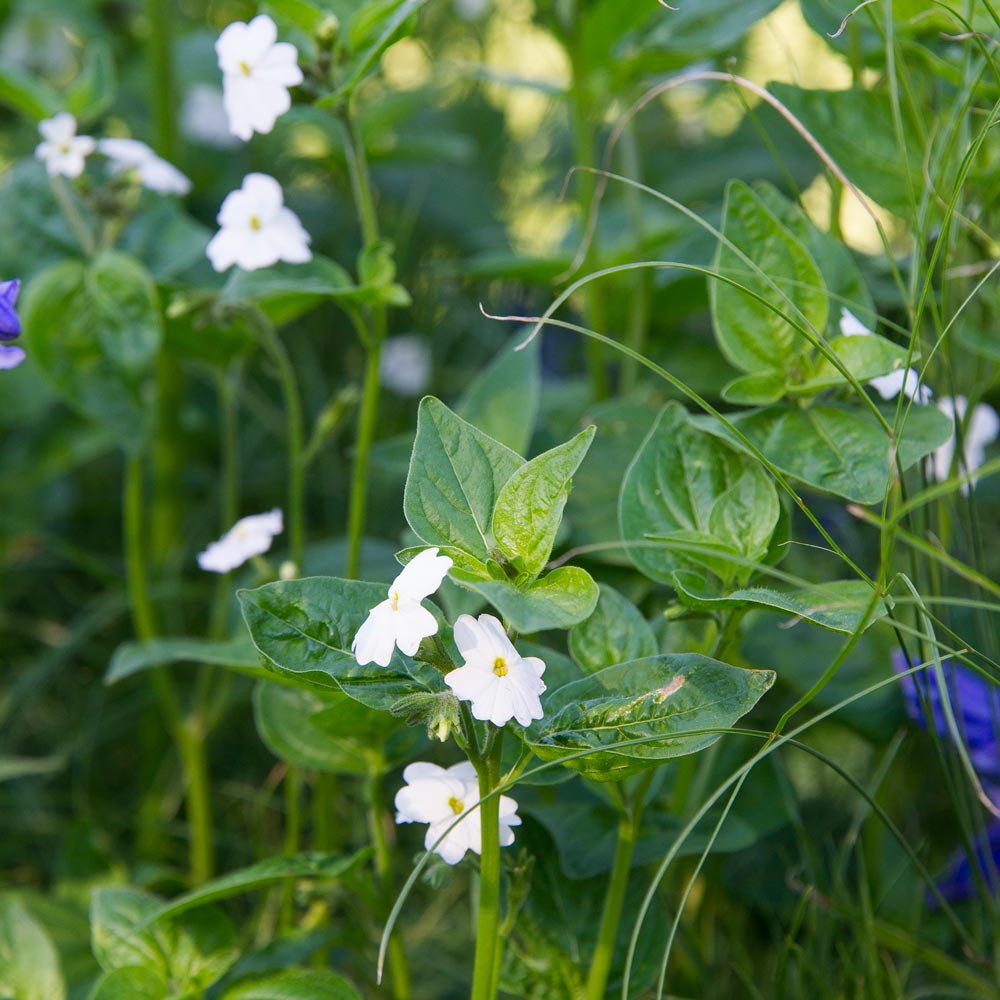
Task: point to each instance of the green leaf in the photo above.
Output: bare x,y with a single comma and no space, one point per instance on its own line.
456,474
28,95
237,654
95,331
93,92
712,502
29,963
707,26
615,633
837,448
305,629
288,721
256,876
756,389
560,599
295,984
660,697
750,333
189,954
133,982
386,17
166,239
529,508
838,606
503,399
302,13
864,357
466,568
877,166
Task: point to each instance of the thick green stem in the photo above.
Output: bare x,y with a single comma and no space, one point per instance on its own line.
398,968
366,436
614,902
160,54
488,920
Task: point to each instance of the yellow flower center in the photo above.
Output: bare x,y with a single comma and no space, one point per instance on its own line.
457,805
395,600
500,667
254,222
65,147
244,68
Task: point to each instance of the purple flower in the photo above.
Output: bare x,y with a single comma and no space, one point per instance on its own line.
10,357
10,323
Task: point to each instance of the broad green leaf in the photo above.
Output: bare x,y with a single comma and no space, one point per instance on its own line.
502,400
95,331
615,633
558,600
456,474
305,629
237,654
93,92
864,357
838,605
751,333
24,93
386,20
167,241
707,26
303,14
756,389
878,166
133,982
660,697
295,984
529,508
29,963
286,722
189,954
256,876
712,502
837,448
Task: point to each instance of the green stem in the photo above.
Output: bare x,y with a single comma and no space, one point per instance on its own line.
292,838
398,967
359,482
488,920
229,475
614,902
76,221
197,796
293,414
161,64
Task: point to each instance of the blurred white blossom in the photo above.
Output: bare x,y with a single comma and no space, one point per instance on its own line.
405,364
204,118
501,684
256,228
248,537
980,429
401,620
257,71
153,171
61,149
437,795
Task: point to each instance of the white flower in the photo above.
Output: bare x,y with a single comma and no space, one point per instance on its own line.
204,118
436,795
405,364
153,171
250,536
888,386
981,429
501,684
401,620
62,150
256,74
257,230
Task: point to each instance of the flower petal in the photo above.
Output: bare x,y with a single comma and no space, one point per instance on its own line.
376,639
422,575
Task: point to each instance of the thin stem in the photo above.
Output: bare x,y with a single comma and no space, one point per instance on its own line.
488,921
229,476
292,838
197,797
366,436
161,64
76,221
398,967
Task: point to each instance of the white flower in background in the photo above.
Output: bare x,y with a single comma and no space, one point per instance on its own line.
405,364
888,386
153,171
501,684
204,118
62,150
401,620
981,429
471,10
250,536
257,71
437,796
257,230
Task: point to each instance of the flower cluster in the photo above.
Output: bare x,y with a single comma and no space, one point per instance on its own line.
495,679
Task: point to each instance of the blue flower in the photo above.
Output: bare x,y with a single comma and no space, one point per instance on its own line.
10,324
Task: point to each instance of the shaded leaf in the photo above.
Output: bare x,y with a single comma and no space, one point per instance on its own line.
295,984
559,599
615,633
238,654
29,963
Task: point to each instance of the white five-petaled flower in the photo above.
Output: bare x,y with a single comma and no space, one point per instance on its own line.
257,71
401,620
438,796
501,684
153,171
61,149
257,230
905,381
250,536
980,429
